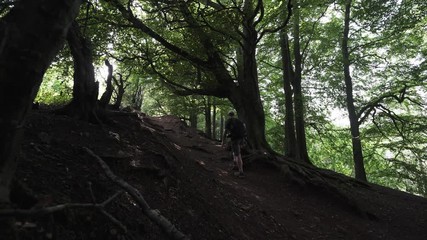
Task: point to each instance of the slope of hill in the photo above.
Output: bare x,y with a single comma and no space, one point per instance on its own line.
186,177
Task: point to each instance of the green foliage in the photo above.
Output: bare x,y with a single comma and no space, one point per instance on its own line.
56,88
388,50
330,148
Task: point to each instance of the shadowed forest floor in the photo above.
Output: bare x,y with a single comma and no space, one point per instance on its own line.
186,177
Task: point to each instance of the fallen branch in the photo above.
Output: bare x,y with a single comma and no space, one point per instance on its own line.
152,214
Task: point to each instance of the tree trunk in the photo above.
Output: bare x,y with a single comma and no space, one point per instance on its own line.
252,114
214,133
106,96
31,35
246,96
85,90
422,182
193,118
291,147
298,96
119,98
359,166
221,126
120,91
138,96
208,122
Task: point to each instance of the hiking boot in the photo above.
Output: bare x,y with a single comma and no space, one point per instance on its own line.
239,174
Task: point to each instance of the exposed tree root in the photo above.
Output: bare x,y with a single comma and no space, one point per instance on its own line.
152,214
322,180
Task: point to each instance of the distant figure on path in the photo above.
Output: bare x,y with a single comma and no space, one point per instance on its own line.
235,129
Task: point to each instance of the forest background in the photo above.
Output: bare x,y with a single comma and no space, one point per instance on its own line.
349,72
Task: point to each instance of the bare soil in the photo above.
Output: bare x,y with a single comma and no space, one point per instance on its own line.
187,178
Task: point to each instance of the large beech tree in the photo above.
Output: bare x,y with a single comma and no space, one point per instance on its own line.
31,35
359,165
240,87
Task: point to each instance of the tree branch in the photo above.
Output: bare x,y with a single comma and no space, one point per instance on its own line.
211,4
137,23
367,109
283,25
259,8
231,36
182,90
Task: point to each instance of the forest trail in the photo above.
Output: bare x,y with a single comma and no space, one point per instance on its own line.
186,176
286,212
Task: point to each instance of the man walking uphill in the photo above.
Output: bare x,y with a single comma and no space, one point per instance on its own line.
236,131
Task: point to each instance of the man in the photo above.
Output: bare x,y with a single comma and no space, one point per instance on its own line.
236,131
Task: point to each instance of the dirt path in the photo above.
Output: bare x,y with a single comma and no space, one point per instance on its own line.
247,200
272,208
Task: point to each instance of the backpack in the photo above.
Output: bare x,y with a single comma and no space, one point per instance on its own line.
237,128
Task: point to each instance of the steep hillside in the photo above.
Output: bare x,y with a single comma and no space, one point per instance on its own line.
186,177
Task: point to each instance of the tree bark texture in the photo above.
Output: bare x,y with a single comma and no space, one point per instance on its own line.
31,34
359,165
